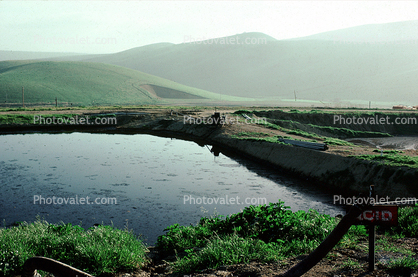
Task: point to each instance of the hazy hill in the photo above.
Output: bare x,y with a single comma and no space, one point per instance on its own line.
25,55
315,68
89,83
373,33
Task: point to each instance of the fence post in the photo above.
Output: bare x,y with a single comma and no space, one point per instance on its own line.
372,238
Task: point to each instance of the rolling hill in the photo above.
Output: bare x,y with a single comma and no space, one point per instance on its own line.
25,55
339,67
84,83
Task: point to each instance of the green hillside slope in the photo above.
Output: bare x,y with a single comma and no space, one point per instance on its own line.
85,83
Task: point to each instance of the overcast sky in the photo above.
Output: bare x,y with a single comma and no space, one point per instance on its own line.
112,26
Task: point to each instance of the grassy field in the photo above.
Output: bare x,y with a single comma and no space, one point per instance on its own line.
87,84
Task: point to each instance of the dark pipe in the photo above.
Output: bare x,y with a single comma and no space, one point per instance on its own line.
326,246
55,267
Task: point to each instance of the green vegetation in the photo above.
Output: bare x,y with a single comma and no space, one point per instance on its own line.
231,249
385,245
261,233
391,159
405,264
328,130
98,250
258,137
388,151
43,119
327,140
350,264
16,119
264,233
407,223
348,133
91,84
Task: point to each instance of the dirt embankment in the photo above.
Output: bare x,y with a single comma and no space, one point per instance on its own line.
330,169
391,122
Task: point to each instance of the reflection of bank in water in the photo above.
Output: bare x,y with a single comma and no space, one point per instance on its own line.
399,143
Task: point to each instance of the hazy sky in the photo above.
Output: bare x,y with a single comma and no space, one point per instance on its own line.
112,26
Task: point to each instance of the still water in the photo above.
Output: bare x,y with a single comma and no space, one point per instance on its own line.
141,182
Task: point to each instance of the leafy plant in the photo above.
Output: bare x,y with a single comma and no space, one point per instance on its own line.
407,223
269,223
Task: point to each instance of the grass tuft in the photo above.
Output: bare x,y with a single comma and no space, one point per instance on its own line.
98,250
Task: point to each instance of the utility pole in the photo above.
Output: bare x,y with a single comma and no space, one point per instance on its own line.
23,97
294,92
56,102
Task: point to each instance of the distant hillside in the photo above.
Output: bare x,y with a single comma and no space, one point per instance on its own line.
24,55
372,33
85,83
316,68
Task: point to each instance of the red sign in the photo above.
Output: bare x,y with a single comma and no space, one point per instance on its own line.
379,215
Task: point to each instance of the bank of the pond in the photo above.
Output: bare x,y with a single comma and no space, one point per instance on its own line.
338,173
325,169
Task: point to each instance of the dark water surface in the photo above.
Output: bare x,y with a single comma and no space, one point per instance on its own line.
150,177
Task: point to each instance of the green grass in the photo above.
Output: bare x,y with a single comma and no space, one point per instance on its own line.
329,130
43,119
403,266
258,137
388,151
98,250
263,233
88,84
385,245
348,133
29,118
239,112
349,264
391,159
327,140
231,249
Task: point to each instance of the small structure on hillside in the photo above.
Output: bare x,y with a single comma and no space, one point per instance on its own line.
400,107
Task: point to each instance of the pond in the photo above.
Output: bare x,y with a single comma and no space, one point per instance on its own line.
141,182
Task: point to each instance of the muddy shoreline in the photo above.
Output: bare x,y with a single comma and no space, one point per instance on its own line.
329,171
